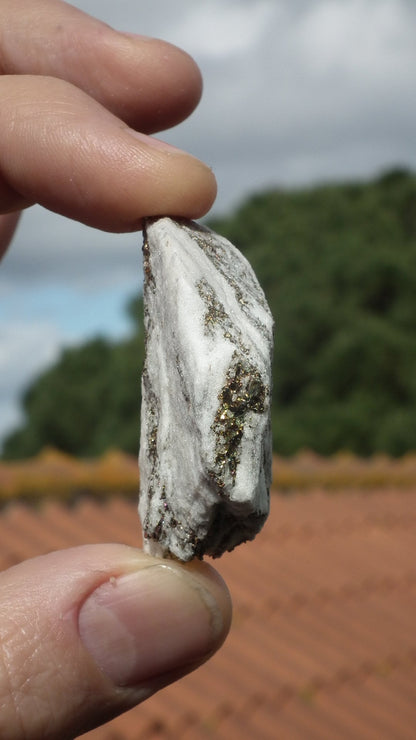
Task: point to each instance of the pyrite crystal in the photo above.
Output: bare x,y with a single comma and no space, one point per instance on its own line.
205,446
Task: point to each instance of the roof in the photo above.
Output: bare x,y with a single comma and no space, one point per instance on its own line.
323,642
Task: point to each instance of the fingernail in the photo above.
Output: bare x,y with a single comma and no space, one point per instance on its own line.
142,625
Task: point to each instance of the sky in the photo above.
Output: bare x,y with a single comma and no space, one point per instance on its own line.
296,92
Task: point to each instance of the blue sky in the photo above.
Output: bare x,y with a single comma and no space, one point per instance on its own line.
296,92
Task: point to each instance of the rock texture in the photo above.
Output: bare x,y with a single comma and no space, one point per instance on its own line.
205,447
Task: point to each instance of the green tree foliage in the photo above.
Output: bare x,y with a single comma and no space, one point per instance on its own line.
338,265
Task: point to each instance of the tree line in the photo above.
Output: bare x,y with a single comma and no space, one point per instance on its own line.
338,266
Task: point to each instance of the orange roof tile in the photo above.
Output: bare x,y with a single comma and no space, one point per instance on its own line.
323,642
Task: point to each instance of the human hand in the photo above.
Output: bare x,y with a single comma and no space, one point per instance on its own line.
74,95
89,632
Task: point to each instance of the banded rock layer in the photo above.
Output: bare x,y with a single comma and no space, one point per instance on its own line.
205,446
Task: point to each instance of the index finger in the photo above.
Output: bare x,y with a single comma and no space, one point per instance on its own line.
63,150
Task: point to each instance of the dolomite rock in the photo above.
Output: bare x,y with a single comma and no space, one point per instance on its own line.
205,446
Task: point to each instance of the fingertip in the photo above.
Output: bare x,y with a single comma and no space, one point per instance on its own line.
206,576
185,187
156,179
179,78
158,621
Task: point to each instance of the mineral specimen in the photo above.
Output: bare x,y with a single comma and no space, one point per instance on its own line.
205,446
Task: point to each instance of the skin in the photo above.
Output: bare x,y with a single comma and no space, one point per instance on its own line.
89,632
75,95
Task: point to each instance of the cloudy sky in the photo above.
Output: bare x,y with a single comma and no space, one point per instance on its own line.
296,92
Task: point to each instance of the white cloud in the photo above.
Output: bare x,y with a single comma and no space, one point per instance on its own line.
25,350
218,31
366,40
320,89
328,93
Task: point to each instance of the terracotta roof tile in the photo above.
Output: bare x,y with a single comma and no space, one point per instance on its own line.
323,643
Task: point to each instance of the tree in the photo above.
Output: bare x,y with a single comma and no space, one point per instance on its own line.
338,265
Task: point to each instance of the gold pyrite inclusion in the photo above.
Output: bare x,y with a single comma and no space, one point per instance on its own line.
205,445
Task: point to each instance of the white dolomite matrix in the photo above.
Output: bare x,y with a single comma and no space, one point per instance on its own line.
205,443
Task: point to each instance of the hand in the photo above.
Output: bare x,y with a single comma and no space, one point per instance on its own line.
74,94
89,632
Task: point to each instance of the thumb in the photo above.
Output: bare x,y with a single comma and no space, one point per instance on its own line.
89,632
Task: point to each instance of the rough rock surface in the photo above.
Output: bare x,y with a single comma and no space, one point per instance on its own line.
205,447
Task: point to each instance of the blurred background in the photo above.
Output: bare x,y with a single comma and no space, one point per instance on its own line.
307,119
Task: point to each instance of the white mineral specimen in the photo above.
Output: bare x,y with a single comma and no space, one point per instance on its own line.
205,447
